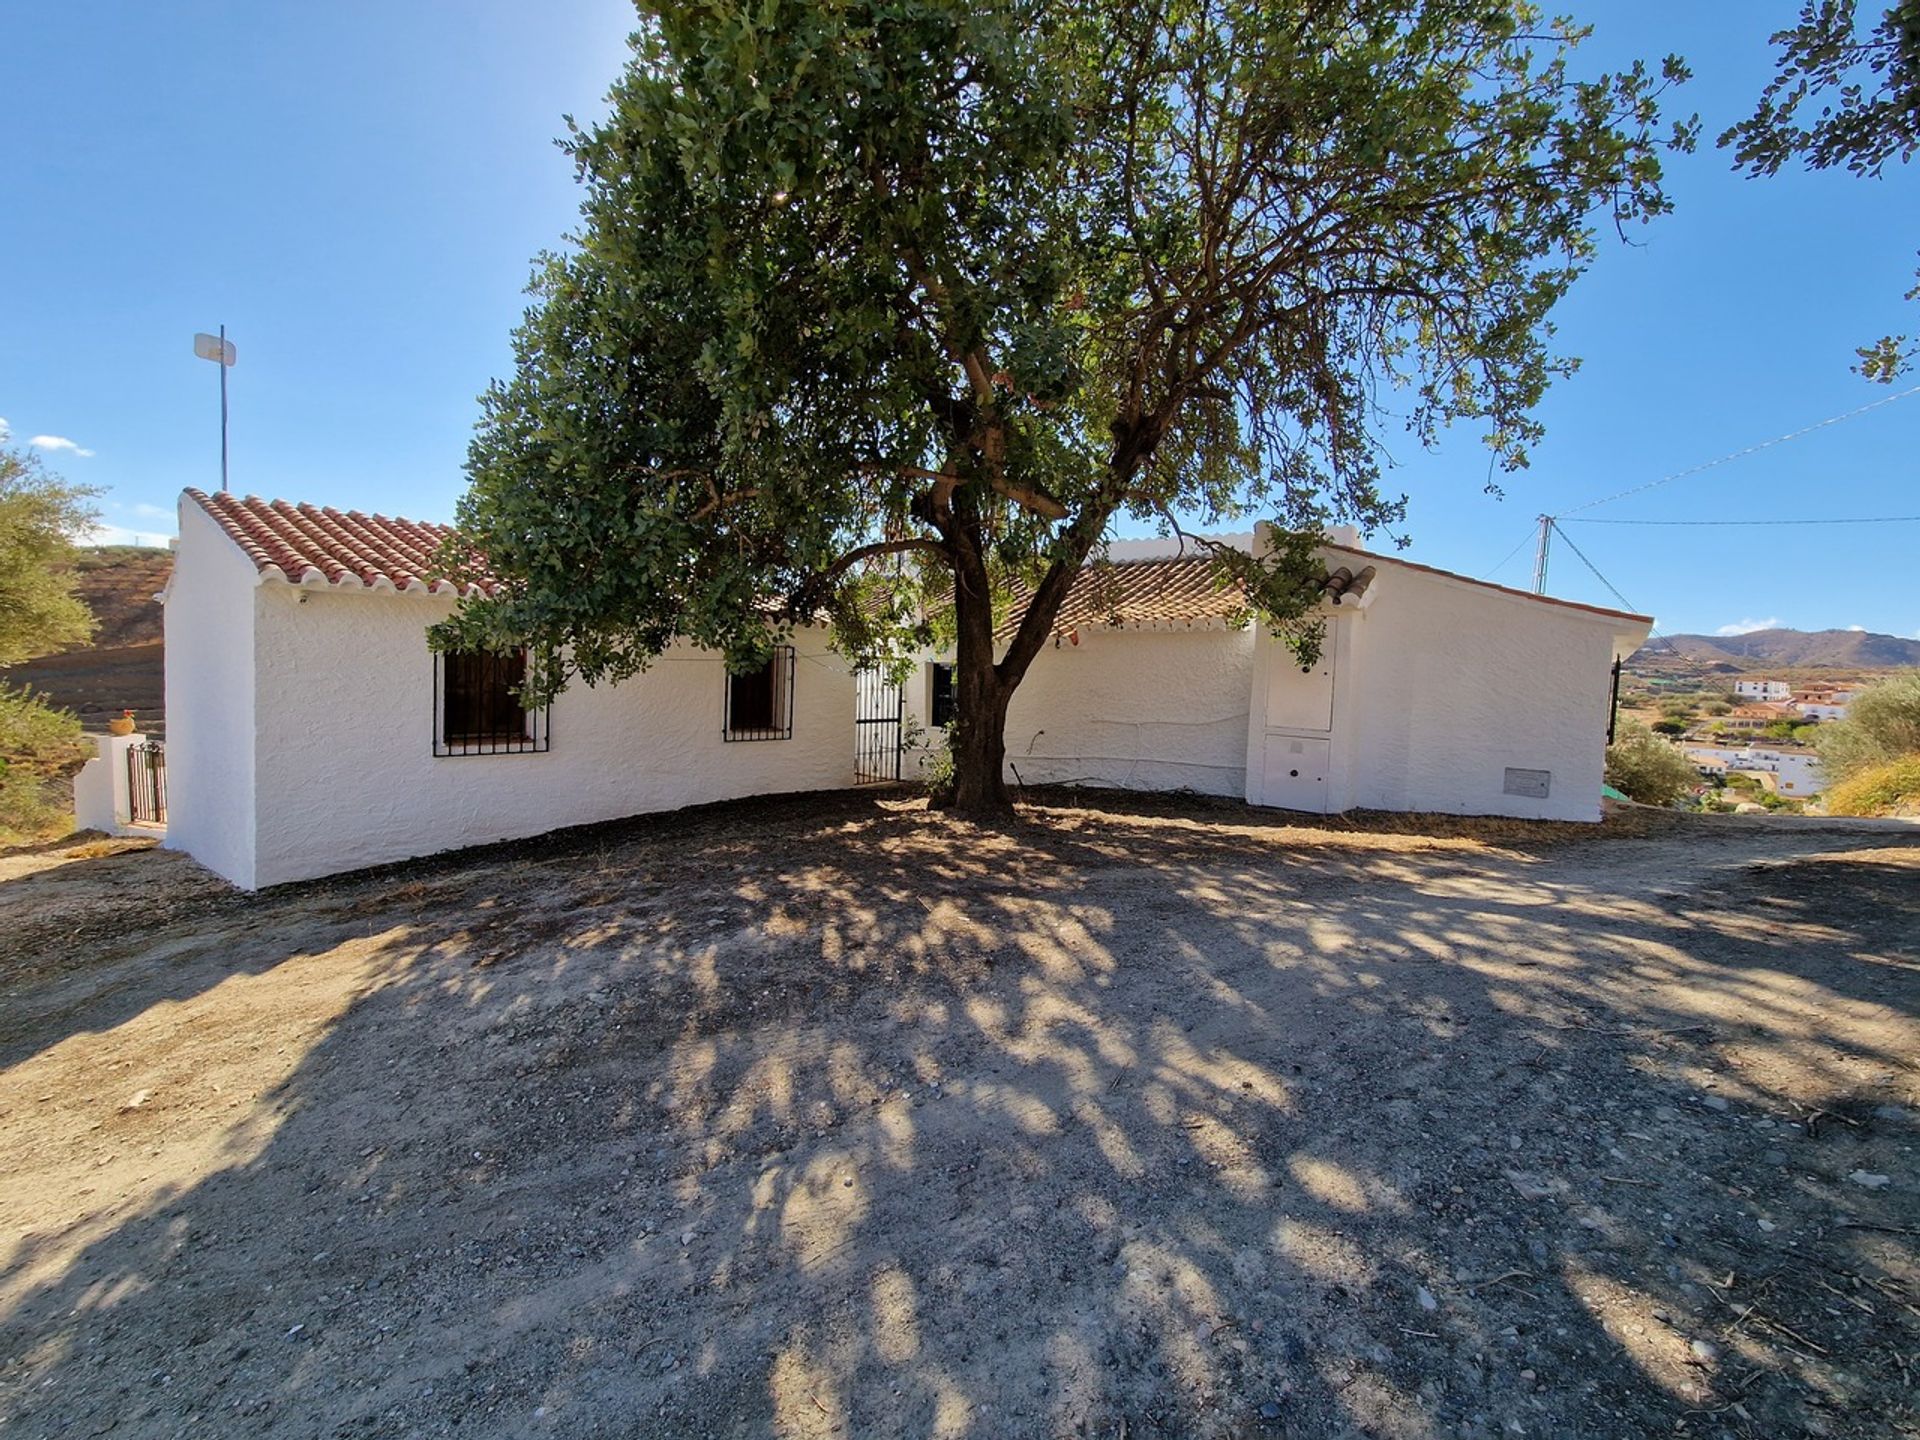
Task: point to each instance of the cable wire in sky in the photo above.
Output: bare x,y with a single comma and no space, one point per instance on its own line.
1525,540
1652,632
1596,570
1750,450
1842,520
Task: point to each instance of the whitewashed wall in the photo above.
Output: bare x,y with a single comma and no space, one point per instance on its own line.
210,699
1127,709
1453,683
1137,710
343,752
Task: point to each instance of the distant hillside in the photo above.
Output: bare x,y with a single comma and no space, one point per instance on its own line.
1785,649
118,582
124,666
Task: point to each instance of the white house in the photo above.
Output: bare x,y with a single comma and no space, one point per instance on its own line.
1435,692
1788,772
311,730
1765,690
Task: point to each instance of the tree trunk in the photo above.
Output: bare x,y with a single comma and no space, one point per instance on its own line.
979,695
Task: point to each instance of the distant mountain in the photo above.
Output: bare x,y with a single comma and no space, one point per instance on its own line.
1786,649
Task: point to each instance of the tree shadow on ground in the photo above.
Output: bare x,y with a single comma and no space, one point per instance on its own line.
834,1117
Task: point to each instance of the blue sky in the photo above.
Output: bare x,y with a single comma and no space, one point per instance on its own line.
356,191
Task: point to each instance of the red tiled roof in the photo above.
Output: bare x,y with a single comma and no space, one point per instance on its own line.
305,543
1142,592
1171,590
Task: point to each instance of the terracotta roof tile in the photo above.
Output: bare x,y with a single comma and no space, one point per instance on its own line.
338,547
1167,591
1141,593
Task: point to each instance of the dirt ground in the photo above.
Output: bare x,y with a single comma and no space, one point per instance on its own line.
833,1117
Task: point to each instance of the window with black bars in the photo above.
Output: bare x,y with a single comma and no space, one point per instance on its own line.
760,703
477,708
940,696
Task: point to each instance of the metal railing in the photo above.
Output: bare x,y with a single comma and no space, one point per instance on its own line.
147,784
759,704
879,712
477,708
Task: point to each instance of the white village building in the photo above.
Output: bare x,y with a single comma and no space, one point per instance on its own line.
312,731
1766,690
1794,773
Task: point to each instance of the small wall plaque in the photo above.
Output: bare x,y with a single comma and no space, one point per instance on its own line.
1534,784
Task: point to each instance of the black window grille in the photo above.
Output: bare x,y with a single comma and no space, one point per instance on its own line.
760,703
940,696
477,708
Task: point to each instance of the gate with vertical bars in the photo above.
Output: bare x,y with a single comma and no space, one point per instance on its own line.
147,784
879,712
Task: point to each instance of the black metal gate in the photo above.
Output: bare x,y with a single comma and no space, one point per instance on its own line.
147,784
879,712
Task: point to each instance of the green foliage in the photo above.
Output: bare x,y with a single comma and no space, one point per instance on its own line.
1644,767
1866,87
1669,727
1889,789
936,771
1882,724
1717,707
41,515
40,747
889,310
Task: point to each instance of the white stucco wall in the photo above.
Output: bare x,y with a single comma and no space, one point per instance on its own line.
1450,684
1136,710
1127,709
210,699
343,742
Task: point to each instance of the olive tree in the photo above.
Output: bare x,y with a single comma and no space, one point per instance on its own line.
1859,84
887,311
41,516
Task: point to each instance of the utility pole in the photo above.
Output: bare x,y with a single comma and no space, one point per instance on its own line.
218,349
1540,555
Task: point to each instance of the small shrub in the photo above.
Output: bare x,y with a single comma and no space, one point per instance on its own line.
40,748
1882,725
1891,789
1644,767
1669,727
936,770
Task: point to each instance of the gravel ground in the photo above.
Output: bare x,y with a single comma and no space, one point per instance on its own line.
833,1117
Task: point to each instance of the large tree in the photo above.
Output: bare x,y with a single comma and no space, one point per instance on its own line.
889,309
1844,95
41,516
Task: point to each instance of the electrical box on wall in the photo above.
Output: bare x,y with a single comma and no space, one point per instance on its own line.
1532,784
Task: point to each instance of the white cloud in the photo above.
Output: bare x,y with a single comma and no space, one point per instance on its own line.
151,512
1747,627
60,442
1857,629
6,430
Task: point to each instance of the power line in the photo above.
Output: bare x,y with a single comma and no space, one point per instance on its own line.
1751,449
1524,539
1596,570
1847,520
1685,660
